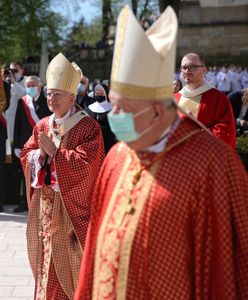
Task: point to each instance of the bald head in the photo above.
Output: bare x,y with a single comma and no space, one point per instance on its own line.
196,56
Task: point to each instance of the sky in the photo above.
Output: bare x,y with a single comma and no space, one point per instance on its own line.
75,9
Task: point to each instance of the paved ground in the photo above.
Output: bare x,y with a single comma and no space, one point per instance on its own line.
16,281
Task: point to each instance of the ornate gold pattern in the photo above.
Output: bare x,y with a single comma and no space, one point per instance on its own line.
97,276
140,200
115,242
119,225
46,209
140,92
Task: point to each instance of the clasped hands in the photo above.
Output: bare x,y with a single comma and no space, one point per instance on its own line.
47,146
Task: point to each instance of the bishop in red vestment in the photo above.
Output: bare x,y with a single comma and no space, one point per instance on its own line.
170,212
61,161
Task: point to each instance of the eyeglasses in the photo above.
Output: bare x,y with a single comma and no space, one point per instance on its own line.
191,68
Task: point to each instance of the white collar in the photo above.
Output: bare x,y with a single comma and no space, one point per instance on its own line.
160,146
196,92
100,107
35,98
62,120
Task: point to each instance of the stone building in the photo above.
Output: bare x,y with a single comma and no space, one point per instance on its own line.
216,28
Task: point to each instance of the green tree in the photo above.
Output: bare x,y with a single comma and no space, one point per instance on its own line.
81,32
107,18
111,9
20,28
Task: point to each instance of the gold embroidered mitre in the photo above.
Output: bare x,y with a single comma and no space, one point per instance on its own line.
144,62
63,75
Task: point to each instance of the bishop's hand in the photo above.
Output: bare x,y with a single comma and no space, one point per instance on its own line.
47,146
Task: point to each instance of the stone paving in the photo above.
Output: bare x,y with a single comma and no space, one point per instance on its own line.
16,280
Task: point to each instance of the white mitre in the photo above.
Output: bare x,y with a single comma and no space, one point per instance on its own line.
144,62
63,75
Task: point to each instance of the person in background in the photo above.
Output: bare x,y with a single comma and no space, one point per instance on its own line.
177,85
4,103
15,76
92,85
106,82
99,110
224,80
210,76
31,108
82,93
169,217
208,105
61,161
239,101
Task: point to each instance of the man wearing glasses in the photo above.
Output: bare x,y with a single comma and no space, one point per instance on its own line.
202,100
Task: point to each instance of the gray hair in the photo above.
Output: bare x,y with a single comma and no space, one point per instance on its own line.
33,78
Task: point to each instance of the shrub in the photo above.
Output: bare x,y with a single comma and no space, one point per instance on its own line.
242,149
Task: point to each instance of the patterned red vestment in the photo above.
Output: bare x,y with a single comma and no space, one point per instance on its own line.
58,221
186,234
215,112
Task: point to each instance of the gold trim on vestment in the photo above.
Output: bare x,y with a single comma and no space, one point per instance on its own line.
127,181
45,235
122,247
107,215
147,178
69,287
62,229
190,105
141,92
65,127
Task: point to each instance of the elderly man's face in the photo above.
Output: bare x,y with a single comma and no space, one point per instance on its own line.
151,118
142,115
59,102
32,83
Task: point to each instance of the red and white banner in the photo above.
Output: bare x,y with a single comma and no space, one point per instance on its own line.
30,111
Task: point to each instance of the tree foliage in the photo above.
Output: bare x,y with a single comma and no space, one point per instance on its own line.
81,32
20,28
22,21
141,8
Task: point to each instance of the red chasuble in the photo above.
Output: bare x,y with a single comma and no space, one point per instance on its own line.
58,220
214,110
171,226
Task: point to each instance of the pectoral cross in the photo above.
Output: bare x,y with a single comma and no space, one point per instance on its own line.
56,132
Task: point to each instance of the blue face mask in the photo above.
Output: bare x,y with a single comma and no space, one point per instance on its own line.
122,125
32,91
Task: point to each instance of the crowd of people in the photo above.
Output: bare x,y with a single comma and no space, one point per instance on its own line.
226,78
133,187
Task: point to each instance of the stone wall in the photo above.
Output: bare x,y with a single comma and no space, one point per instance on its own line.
94,62
220,34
